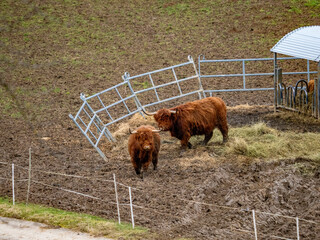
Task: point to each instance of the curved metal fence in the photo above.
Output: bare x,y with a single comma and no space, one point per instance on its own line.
99,111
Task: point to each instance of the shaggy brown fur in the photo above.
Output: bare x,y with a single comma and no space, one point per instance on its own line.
311,92
311,86
194,118
144,146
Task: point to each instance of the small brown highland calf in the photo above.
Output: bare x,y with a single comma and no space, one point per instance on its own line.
144,146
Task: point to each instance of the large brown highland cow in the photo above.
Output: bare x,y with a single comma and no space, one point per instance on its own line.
200,117
144,146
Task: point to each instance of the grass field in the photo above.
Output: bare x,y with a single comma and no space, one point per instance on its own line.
51,51
93,225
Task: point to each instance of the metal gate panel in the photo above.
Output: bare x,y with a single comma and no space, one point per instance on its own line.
244,74
166,84
101,110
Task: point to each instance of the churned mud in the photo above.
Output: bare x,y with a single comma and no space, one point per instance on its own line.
51,51
201,194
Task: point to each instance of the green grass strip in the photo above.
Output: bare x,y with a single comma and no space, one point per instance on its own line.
93,225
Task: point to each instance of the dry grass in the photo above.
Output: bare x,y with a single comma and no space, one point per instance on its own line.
247,107
256,141
134,122
261,141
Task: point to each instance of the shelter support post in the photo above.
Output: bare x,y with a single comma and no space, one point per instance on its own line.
277,81
316,89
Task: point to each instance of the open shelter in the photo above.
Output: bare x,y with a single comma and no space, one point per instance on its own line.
302,43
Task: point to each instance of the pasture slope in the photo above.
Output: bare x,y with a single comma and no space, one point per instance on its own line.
51,51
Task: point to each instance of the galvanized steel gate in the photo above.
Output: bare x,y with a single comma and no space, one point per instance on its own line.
244,74
99,111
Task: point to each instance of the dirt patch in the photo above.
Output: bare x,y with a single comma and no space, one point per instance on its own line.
199,195
15,229
243,115
53,51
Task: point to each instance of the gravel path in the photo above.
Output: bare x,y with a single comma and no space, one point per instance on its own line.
14,229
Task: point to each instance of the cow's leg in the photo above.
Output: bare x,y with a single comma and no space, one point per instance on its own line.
155,161
136,165
207,138
185,142
223,127
145,166
138,169
224,132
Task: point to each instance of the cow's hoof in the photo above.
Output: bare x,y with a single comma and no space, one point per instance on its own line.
204,143
182,152
167,141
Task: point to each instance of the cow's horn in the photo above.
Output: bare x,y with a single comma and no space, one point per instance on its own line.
149,114
173,111
132,132
156,131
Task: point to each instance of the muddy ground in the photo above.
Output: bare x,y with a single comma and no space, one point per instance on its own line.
51,51
201,195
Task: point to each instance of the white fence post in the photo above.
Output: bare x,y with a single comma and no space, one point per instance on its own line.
29,179
131,208
254,225
115,189
13,197
298,235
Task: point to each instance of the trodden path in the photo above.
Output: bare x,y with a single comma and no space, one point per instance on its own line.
14,229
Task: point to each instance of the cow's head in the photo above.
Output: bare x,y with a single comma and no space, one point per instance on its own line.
144,136
164,118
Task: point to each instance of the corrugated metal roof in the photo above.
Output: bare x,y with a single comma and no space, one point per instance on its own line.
303,43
